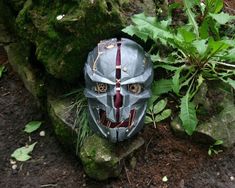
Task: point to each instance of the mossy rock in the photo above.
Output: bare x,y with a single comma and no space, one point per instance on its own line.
62,117
18,57
6,24
102,159
15,5
216,112
65,31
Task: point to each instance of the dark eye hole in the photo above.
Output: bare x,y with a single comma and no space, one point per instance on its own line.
101,87
135,88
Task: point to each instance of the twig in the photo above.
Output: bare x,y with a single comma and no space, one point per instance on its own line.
146,149
48,185
5,94
150,181
128,178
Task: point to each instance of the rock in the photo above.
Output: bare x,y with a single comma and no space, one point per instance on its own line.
6,24
16,5
18,57
102,159
62,44
217,99
60,112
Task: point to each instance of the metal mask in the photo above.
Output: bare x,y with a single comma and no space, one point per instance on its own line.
118,75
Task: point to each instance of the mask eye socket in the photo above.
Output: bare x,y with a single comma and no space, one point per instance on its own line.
101,87
135,88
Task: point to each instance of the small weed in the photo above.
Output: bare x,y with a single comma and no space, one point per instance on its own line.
214,148
197,51
156,111
2,70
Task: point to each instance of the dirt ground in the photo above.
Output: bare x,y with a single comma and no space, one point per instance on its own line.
186,165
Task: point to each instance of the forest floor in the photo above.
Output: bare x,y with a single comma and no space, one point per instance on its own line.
186,164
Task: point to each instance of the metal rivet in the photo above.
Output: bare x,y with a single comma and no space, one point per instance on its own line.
124,69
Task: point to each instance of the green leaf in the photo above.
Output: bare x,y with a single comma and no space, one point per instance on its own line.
150,27
2,70
161,87
132,30
187,36
22,154
215,47
201,46
159,106
152,99
191,16
231,82
214,6
188,115
148,120
176,81
218,142
164,115
222,18
209,151
32,126
204,29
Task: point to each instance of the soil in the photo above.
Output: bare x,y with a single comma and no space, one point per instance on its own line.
186,164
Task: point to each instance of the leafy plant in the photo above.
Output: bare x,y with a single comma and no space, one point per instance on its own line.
2,70
22,154
156,112
196,52
32,126
213,149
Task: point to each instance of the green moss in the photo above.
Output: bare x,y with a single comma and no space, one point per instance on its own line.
99,158
66,134
18,55
62,45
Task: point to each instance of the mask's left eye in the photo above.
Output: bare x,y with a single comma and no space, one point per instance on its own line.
101,87
135,88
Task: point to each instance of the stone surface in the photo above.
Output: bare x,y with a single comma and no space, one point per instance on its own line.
102,159
16,5
18,57
62,116
65,31
6,24
216,102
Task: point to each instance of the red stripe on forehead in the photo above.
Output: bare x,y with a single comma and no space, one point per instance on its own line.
118,96
118,62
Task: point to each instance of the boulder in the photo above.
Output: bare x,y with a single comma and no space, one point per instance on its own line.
216,111
102,159
65,31
19,58
61,112
6,24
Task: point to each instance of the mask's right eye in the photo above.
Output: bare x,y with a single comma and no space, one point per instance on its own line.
101,87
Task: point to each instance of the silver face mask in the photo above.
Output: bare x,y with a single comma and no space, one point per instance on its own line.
118,76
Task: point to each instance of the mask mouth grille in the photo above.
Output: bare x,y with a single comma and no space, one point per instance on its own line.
128,123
